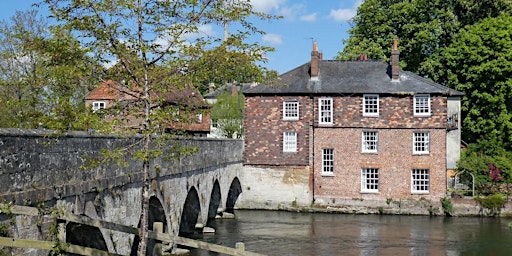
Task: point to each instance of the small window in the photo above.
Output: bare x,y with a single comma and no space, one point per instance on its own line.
290,142
422,105
371,105
370,141
370,180
291,110
325,109
421,143
327,161
420,181
199,118
98,105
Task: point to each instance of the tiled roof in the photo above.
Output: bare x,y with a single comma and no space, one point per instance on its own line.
110,90
347,77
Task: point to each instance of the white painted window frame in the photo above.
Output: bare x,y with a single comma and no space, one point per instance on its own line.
325,116
327,162
291,110
368,137
97,105
289,141
422,105
420,181
421,143
371,100
370,180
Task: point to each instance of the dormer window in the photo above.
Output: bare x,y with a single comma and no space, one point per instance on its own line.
422,105
97,105
371,105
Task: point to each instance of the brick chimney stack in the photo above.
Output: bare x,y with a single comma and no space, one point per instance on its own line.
395,61
316,57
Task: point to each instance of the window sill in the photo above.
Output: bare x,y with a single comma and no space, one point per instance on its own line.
421,154
369,192
327,174
369,152
420,192
371,116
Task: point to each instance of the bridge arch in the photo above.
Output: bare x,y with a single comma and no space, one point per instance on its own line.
85,235
190,212
215,200
235,189
156,214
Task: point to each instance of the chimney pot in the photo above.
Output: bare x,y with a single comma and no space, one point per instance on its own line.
315,59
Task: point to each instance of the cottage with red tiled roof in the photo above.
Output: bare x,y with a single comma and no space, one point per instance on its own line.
110,94
350,132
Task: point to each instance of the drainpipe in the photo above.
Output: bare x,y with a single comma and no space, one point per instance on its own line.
313,148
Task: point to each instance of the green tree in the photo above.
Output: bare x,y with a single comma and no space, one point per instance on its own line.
479,63
155,44
46,73
228,114
423,27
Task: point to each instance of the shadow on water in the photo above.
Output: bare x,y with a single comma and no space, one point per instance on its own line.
289,233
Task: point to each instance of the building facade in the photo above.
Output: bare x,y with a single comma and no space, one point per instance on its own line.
364,130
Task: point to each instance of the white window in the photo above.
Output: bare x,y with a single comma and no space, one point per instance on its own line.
371,105
421,143
422,105
98,105
420,181
327,161
370,180
199,118
370,141
325,111
291,110
290,142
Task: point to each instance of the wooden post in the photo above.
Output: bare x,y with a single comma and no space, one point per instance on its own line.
159,228
240,248
61,231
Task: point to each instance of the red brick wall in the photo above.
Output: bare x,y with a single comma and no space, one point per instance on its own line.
394,112
264,127
394,159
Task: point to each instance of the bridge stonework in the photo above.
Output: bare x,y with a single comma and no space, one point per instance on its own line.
40,168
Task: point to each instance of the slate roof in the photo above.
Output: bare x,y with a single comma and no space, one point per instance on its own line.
227,88
350,77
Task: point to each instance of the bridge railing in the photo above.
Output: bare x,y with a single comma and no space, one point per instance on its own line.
84,220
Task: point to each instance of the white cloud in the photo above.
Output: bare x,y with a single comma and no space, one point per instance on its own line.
266,5
309,17
273,39
345,14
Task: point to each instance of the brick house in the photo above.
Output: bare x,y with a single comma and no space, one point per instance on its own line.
110,94
362,130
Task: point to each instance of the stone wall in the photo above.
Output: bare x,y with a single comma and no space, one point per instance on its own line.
37,165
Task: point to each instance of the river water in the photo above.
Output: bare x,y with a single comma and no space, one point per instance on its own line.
291,233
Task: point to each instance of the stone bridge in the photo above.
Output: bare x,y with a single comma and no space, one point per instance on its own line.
192,181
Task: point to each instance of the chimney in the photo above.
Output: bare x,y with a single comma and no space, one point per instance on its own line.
395,61
316,57
363,57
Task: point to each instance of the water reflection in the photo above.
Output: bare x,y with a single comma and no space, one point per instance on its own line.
287,233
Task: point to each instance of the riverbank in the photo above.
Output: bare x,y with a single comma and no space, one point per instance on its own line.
460,207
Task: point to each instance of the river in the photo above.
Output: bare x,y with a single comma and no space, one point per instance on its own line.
292,233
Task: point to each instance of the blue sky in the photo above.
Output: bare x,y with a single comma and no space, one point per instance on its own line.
325,21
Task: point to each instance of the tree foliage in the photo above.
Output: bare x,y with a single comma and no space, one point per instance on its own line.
479,63
46,73
424,28
228,114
